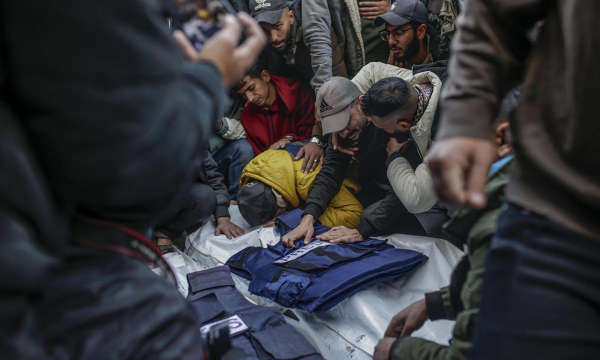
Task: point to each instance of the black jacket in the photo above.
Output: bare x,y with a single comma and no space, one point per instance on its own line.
371,157
210,176
99,115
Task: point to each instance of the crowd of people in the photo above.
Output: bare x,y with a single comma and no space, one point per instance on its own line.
464,121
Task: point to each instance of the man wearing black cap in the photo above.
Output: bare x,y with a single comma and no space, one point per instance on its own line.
259,203
289,56
406,33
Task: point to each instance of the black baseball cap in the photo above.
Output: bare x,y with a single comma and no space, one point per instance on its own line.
268,11
256,203
402,12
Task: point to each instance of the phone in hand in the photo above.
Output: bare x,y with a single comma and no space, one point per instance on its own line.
199,19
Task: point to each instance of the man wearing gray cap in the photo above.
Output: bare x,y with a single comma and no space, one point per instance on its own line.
406,33
353,136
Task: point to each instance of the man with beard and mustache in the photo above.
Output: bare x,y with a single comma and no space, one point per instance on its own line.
289,56
406,33
355,135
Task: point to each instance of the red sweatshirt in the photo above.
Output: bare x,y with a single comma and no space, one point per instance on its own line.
292,113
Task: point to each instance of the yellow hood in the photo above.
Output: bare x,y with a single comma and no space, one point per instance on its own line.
276,169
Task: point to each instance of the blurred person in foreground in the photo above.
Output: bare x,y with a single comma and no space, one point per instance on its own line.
101,132
541,291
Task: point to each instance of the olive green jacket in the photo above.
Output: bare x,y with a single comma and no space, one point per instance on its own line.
477,227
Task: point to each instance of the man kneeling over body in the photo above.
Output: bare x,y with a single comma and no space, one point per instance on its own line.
354,135
396,106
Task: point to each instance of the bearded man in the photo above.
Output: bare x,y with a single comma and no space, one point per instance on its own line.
406,33
289,55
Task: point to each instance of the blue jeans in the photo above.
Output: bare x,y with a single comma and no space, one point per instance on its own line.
231,160
541,292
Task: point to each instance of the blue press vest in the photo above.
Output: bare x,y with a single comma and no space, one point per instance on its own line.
214,298
319,279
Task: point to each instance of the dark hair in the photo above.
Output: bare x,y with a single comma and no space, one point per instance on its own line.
386,96
255,70
254,73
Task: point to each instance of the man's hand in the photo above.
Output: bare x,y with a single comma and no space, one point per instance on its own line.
459,167
222,50
407,320
371,9
392,60
306,229
341,234
313,155
393,146
229,229
382,350
279,144
335,139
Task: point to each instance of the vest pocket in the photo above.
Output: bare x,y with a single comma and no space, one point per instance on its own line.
285,289
283,342
208,307
211,278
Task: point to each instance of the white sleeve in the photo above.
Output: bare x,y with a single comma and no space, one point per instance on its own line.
413,187
235,129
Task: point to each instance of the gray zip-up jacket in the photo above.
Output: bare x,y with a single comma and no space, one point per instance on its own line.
318,18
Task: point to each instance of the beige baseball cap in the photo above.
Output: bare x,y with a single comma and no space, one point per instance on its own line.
334,99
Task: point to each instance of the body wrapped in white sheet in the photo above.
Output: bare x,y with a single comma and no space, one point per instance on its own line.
352,328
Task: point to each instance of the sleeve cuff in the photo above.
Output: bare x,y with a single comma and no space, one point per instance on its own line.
435,306
365,229
394,349
313,209
393,157
221,211
447,300
224,128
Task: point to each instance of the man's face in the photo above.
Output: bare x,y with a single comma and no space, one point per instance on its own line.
278,34
256,90
404,42
357,123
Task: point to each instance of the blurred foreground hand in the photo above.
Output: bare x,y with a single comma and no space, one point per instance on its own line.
459,167
223,49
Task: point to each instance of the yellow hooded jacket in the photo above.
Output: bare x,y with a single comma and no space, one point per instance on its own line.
278,169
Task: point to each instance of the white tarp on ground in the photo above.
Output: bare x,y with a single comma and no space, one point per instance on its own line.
352,328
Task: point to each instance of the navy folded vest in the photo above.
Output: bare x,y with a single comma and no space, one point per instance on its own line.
318,276
261,332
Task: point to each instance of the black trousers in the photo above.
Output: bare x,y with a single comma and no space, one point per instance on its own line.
541,294
370,198
198,206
